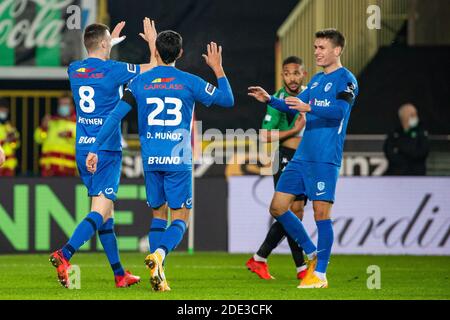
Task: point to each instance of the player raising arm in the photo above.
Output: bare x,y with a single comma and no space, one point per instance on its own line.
314,170
164,98
96,83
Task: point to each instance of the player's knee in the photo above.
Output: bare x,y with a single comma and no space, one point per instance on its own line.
180,214
276,209
320,214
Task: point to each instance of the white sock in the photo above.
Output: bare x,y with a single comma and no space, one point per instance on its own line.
320,275
162,253
258,258
300,269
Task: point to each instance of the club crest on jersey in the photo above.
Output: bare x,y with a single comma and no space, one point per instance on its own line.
209,89
131,68
328,87
109,191
163,80
321,186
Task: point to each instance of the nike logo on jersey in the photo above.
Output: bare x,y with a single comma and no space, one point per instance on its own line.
320,193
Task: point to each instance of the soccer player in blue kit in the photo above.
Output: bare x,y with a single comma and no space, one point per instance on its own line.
314,170
165,98
96,83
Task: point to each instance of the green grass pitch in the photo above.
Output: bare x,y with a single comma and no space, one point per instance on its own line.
224,276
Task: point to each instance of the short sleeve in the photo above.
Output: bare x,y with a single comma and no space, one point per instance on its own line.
123,72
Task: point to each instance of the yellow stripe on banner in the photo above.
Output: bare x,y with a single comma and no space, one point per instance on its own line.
58,162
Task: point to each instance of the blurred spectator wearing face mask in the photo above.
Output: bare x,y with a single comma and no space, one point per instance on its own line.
407,147
57,136
9,140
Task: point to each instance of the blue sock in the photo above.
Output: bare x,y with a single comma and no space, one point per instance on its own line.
324,244
109,243
83,233
294,227
173,236
156,232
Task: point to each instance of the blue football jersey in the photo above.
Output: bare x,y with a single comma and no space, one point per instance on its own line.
165,98
96,86
323,139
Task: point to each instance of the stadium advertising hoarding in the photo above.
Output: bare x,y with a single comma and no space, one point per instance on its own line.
38,215
40,38
389,215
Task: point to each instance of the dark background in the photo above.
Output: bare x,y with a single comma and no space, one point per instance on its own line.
247,32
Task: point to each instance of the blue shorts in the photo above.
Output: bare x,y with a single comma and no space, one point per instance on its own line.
173,187
107,177
314,179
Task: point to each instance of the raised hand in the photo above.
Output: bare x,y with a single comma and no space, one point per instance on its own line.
115,34
150,33
91,162
297,104
259,94
213,57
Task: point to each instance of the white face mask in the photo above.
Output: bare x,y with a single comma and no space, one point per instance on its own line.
3,116
413,122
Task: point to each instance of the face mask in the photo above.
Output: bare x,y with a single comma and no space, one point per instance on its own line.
64,111
3,116
413,122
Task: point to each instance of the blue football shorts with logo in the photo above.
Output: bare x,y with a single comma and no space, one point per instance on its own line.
107,177
315,179
173,187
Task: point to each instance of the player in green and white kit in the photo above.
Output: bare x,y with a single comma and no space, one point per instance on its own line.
290,129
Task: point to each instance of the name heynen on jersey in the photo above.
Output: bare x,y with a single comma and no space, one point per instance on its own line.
91,121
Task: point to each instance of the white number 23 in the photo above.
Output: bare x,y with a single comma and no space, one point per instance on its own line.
176,111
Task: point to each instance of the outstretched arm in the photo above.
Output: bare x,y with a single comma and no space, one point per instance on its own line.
149,35
223,94
262,96
332,112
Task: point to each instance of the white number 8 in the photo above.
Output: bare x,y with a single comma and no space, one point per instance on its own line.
87,99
